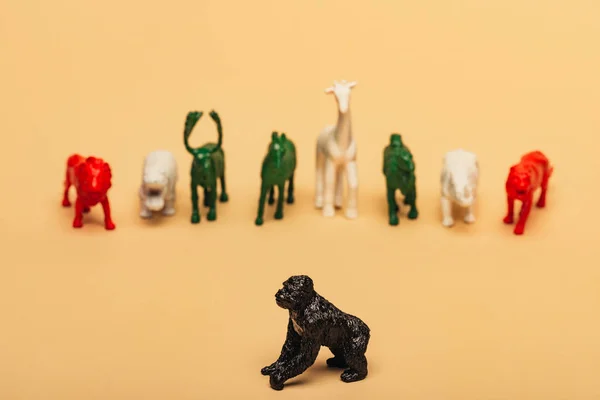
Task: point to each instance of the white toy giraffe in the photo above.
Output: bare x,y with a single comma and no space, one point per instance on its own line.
336,156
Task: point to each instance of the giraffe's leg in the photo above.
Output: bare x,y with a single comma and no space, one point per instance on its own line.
339,188
352,176
320,180
328,208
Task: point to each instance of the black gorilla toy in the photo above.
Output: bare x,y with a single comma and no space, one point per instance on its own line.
315,322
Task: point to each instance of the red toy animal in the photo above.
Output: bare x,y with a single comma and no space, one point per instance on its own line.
92,179
524,178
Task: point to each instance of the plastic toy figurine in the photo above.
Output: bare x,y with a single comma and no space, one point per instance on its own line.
532,172
315,322
459,179
208,166
399,171
278,167
336,155
159,177
91,177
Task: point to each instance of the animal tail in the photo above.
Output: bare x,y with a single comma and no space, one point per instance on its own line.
217,119
190,121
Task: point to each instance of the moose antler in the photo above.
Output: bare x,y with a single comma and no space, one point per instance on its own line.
217,119
190,121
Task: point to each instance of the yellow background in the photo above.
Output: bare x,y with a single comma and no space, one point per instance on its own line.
170,310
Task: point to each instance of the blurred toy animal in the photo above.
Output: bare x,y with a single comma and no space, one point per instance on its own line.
91,177
459,179
315,322
278,167
532,172
399,171
208,165
336,157
159,177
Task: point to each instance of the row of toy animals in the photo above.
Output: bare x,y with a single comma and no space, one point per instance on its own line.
336,159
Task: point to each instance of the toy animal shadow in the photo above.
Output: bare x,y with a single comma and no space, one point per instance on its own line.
279,166
208,166
399,171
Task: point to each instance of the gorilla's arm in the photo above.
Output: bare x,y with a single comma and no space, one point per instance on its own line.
309,350
290,348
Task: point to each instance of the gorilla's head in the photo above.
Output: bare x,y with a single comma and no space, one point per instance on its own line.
296,292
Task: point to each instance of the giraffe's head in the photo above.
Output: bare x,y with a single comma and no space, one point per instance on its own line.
341,90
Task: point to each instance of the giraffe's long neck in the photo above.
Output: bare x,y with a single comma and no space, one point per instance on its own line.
343,131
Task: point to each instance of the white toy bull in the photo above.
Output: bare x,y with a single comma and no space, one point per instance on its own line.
159,178
459,178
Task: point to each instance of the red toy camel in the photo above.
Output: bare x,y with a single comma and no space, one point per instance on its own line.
92,179
524,178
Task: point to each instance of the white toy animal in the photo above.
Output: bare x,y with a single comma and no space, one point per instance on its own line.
336,156
459,179
159,178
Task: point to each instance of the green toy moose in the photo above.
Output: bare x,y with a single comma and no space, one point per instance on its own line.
278,167
208,166
399,171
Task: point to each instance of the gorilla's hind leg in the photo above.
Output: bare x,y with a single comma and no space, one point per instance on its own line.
338,360
357,368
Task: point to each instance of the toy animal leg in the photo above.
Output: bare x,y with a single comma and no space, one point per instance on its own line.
224,196
169,208
280,193
411,199
510,214
195,212
392,206
261,205
357,368
541,203
328,209
352,176
320,180
338,360
108,222
212,196
206,198
144,212
78,220
293,367
469,215
65,201
289,350
339,189
523,215
290,196
272,195
447,219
